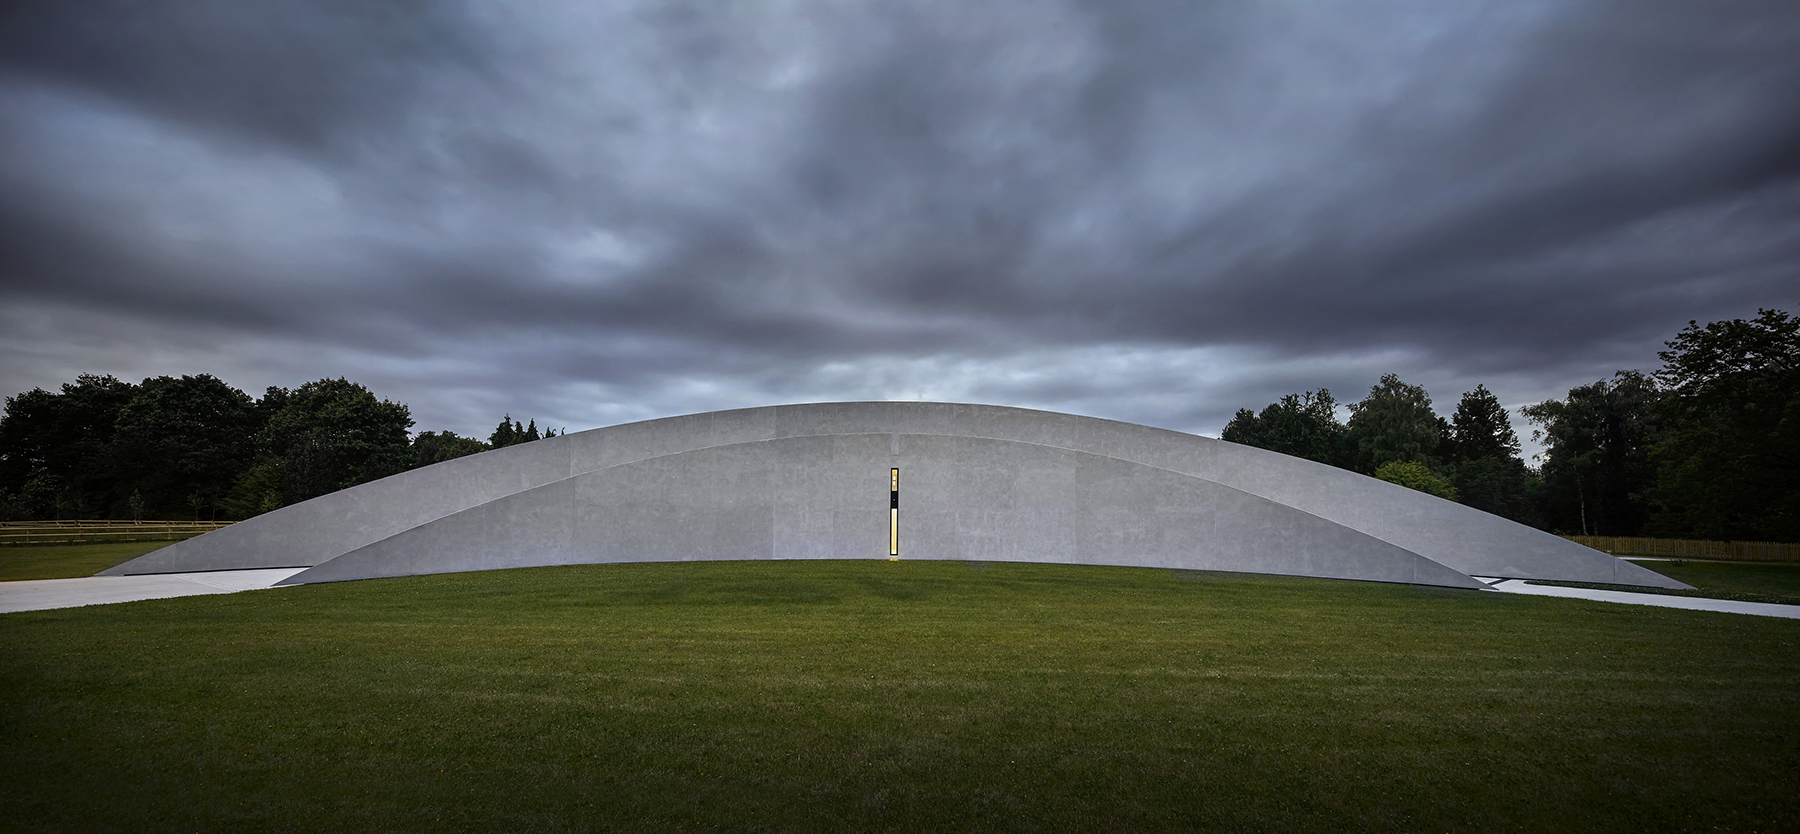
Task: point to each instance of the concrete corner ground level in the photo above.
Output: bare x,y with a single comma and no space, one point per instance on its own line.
44,594
854,480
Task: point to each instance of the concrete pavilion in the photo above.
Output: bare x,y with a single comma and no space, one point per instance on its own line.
885,480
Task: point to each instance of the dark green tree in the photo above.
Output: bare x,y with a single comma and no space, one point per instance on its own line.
1480,428
1303,425
183,438
56,450
511,433
1394,423
434,447
1505,487
1729,464
257,491
1596,454
274,398
1245,428
329,435
1481,451
506,434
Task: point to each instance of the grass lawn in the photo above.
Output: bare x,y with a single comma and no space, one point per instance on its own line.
1777,582
894,696
1773,582
67,561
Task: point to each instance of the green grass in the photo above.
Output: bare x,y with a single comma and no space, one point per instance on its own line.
67,561
909,696
1769,582
1777,583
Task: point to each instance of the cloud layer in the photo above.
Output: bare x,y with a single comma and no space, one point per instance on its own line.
591,213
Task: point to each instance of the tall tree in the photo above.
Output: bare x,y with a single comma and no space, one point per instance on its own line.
55,449
331,434
511,432
1303,425
1245,428
506,434
258,489
1394,423
1729,466
1596,454
1480,428
183,442
1482,452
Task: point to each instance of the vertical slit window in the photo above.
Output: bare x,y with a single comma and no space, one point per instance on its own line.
894,514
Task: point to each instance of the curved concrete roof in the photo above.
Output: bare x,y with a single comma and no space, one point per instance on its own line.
811,481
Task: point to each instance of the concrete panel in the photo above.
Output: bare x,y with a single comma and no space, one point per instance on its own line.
313,531
961,498
1444,532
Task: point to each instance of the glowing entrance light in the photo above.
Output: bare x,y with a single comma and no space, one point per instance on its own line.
894,515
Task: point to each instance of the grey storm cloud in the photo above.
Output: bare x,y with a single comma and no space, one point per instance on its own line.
1147,211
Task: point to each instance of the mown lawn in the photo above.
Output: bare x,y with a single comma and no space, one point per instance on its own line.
1777,582
905,696
67,561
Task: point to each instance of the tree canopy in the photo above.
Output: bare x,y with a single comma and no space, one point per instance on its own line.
1728,463
1394,423
1708,446
193,446
331,434
56,449
1597,453
1415,475
1480,428
435,447
511,433
1302,425
181,442
1481,453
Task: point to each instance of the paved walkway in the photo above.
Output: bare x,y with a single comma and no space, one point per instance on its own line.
1760,609
40,594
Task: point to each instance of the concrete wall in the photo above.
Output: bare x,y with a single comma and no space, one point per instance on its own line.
810,481
826,497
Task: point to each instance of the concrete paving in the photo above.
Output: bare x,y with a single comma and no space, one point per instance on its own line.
42,594
1729,606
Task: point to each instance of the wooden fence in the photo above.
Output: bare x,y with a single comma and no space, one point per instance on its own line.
1693,549
95,531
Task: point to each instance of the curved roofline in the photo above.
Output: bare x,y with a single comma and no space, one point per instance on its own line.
1461,538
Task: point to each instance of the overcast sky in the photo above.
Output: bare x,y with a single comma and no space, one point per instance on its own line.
589,213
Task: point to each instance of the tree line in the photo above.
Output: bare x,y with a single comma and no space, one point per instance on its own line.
1707,446
195,447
